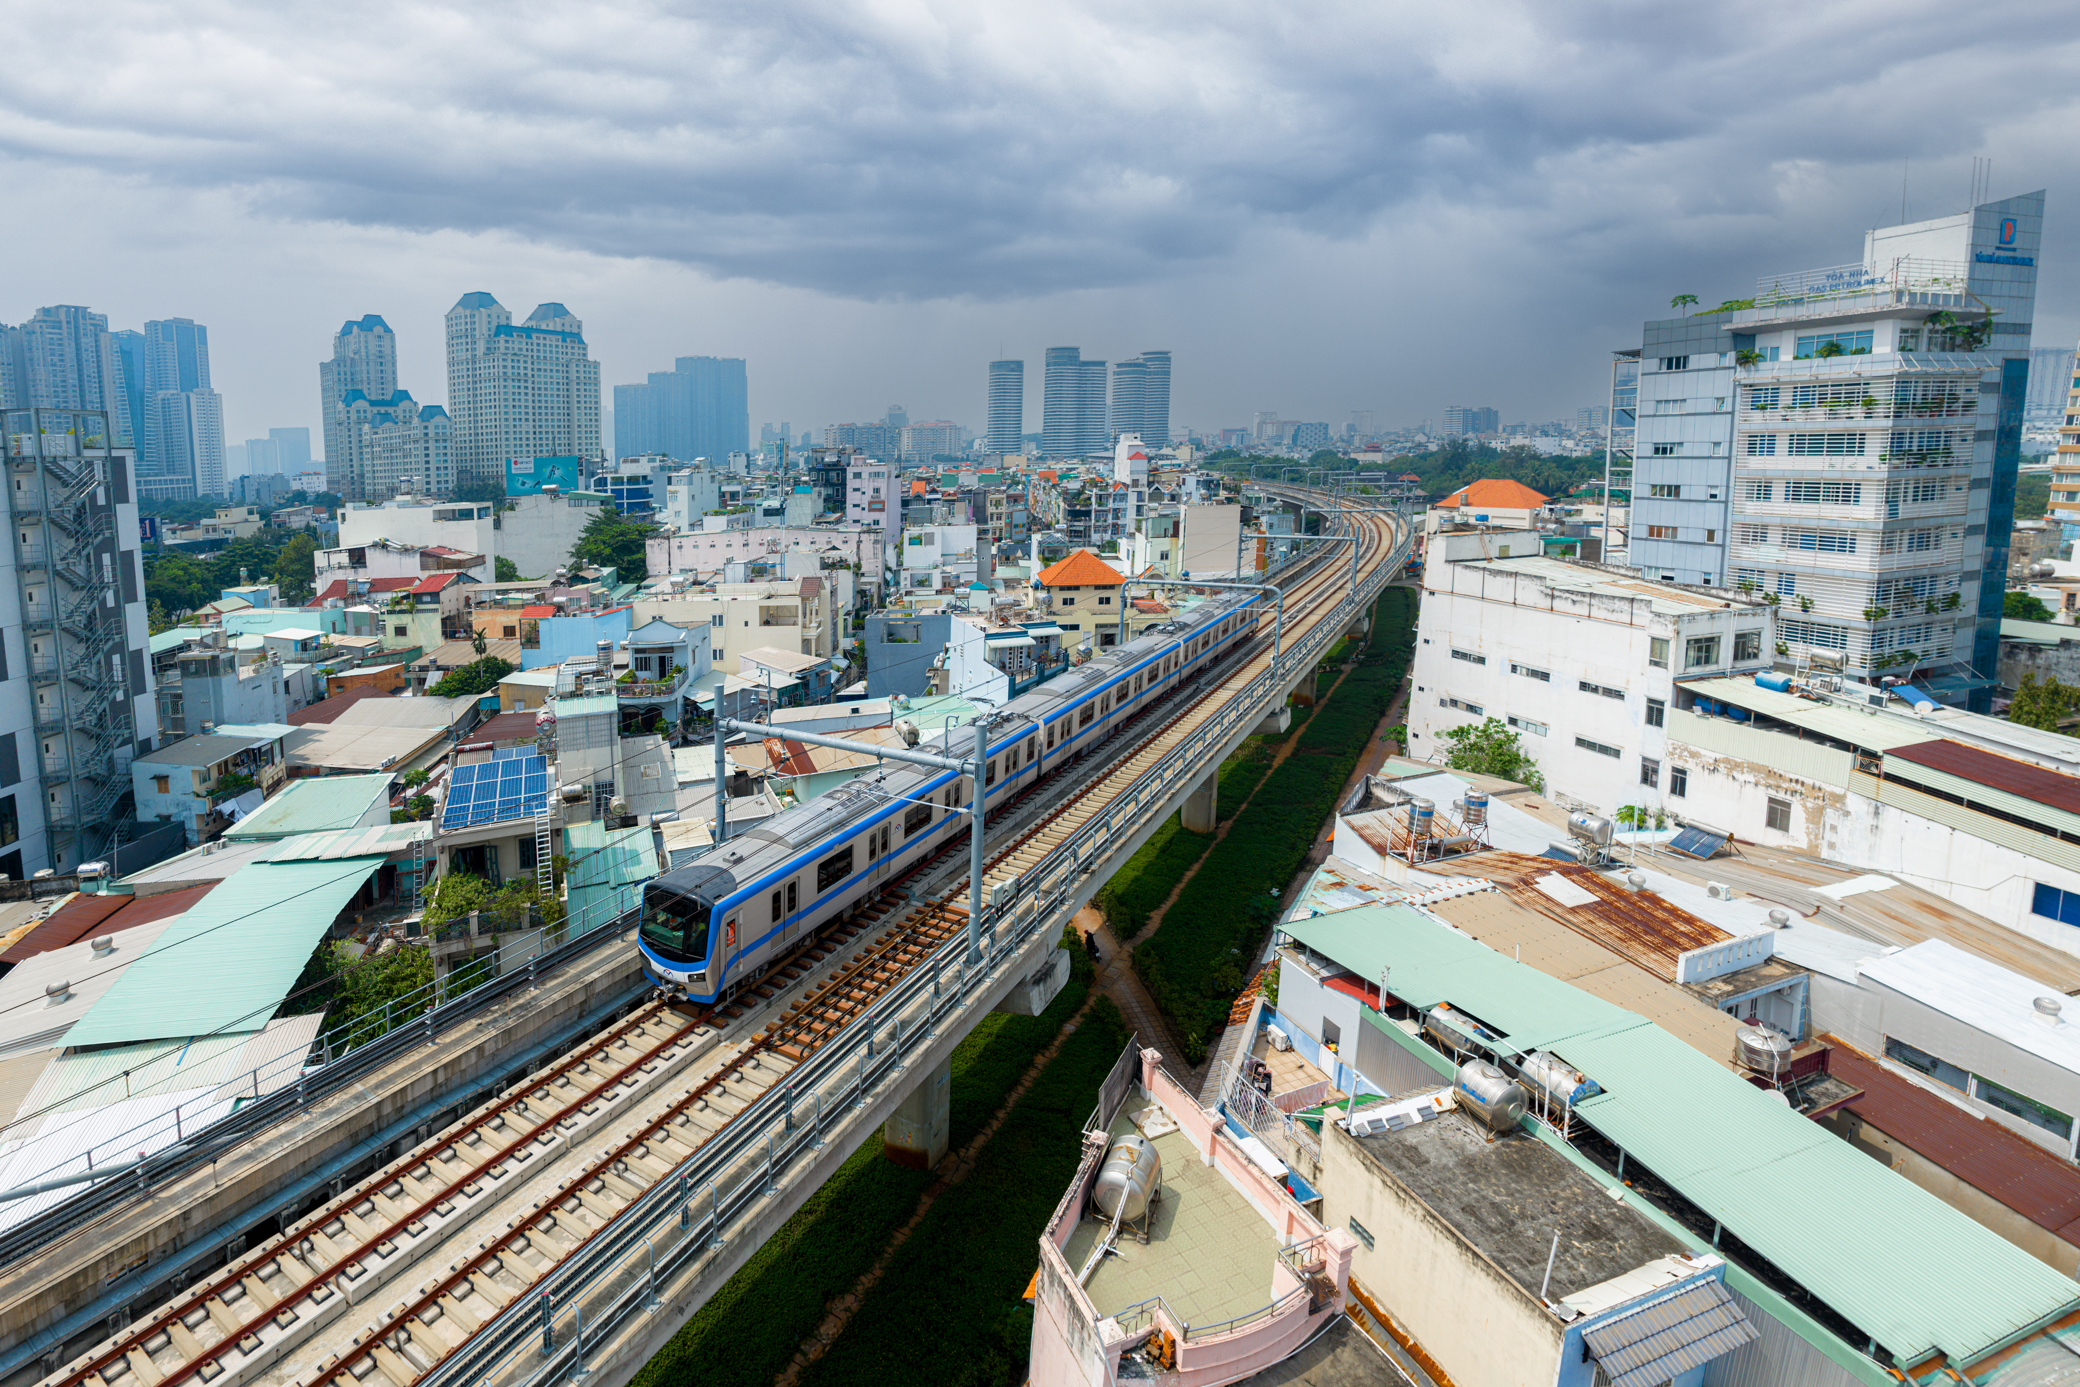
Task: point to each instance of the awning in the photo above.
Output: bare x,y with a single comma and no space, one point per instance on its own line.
1697,842
1662,1341
1009,641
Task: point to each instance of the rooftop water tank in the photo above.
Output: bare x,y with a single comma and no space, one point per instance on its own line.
1476,807
1557,1077
1129,1177
1761,1049
1489,1095
1770,679
1421,813
1590,828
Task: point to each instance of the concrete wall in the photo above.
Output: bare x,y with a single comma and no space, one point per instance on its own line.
1463,1309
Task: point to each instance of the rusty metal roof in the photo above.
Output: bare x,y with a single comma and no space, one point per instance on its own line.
85,917
1637,925
2023,778
1985,1155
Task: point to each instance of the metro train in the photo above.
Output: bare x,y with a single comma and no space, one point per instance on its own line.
720,922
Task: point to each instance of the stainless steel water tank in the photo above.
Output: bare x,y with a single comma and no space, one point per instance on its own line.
1761,1049
1590,828
1559,1078
1420,814
1131,1173
1476,811
1490,1095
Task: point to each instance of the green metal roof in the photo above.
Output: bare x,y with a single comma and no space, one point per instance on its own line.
1901,1265
592,703
230,960
321,804
173,637
603,864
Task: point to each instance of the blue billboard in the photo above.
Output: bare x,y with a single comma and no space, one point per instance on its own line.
527,476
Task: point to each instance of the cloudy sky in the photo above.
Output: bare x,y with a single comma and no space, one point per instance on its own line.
1382,206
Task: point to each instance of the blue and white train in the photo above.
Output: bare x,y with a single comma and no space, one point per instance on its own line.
720,922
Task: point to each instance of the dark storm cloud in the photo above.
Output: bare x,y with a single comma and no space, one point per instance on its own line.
922,150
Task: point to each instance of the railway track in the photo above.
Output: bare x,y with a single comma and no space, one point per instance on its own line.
548,1165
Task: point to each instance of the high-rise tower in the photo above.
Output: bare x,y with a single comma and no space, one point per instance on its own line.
182,453
364,358
698,409
1007,406
530,390
1061,410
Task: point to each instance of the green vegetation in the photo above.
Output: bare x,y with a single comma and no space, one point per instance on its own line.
504,570
2020,606
1193,964
1490,748
749,1330
348,989
1241,773
964,1271
2032,496
2043,705
477,677
1149,877
499,908
612,541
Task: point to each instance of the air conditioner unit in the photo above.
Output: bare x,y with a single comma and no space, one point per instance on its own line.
1718,890
1278,1038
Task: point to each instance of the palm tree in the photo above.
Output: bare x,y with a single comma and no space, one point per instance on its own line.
1682,300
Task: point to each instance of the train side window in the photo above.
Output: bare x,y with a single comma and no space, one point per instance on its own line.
729,934
834,869
920,816
1050,736
1085,716
794,897
777,911
989,773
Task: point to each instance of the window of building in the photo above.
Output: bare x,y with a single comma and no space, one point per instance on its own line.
1812,445
1536,729
1461,705
1604,690
1910,339
1762,396
1922,1062
1776,815
1598,747
1787,585
1665,450
2028,1109
1757,491
834,869
1650,772
1657,652
1747,645
1675,363
1068,601
1699,652
1666,490
1543,676
163,784
1760,445
1678,782
1821,541
1469,657
1851,343
1657,712
1824,493
1661,532
10,821
1710,537
2054,904
1362,1234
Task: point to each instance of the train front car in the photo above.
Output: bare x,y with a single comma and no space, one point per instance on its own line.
677,935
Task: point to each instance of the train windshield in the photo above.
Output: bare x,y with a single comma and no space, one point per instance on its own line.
675,926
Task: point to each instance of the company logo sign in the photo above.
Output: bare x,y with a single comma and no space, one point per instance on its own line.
2007,233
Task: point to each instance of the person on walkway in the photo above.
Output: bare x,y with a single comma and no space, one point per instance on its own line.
1090,945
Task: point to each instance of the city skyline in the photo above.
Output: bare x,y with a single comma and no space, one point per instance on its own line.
1376,241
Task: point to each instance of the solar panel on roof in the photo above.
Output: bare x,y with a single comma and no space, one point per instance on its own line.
1697,842
505,787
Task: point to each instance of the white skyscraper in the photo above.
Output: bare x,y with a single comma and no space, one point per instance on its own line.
364,360
518,391
182,436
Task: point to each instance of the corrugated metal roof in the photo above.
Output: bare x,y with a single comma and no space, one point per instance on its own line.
590,705
603,861
1985,1155
1983,995
2017,777
84,917
1848,1229
393,840
1872,730
231,959
318,804
30,1019
1660,1342
1642,926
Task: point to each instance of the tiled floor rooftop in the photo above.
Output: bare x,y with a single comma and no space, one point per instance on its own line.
1209,1255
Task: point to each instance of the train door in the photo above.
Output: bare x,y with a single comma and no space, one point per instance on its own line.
880,845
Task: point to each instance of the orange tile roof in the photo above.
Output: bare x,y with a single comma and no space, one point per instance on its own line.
1082,569
1497,493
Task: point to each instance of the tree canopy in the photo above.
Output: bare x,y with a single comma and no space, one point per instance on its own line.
479,676
2020,606
612,540
2043,705
504,570
1490,748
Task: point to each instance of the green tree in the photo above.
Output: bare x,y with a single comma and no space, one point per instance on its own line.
477,641
2032,496
612,541
296,568
1682,300
2043,705
179,584
1490,748
480,676
2022,607
481,491
504,570
363,987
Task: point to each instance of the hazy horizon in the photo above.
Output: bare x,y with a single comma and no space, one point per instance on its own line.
1383,208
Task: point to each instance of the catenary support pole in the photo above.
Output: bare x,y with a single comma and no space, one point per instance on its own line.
977,777
721,776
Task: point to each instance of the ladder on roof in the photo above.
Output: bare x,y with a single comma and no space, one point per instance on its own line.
544,869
